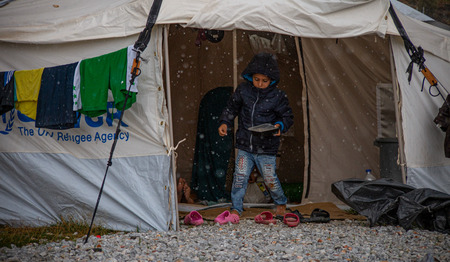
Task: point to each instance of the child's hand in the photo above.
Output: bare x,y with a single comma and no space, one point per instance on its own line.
279,130
223,130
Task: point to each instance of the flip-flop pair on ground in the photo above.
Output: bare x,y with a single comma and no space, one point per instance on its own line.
196,219
317,216
294,217
291,219
266,217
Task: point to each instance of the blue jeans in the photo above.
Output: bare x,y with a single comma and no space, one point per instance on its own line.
245,162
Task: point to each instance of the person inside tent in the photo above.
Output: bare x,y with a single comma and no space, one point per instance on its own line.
257,101
184,192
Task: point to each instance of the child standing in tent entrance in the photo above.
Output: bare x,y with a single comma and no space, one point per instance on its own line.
257,101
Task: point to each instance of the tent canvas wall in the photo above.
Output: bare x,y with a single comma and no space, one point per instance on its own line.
338,139
51,173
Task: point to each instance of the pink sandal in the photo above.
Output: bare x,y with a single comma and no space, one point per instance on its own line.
233,218
266,218
193,218
290,219
222,218
226,217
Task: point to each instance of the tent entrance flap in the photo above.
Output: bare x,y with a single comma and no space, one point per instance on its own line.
342,78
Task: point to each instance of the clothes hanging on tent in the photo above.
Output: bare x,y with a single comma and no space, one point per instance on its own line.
212,152
28,84
44,94
97,75
442,120
6,92
55,103
77,105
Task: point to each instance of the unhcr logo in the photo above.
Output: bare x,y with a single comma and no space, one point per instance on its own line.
8,123
7,119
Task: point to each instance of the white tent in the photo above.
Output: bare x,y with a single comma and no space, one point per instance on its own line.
348,47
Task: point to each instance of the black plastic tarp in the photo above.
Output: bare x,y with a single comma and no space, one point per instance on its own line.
385,201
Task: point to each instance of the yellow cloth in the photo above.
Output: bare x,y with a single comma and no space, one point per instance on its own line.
28,84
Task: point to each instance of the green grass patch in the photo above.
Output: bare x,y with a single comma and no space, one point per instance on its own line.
65,229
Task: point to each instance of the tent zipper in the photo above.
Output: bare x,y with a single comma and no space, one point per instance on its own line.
253,113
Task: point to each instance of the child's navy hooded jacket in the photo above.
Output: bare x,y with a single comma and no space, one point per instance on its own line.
256,106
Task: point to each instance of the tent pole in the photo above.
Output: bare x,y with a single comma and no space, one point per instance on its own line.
235,79
306,144
169,108
235,61
398,117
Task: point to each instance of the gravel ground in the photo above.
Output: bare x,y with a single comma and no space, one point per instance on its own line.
248,241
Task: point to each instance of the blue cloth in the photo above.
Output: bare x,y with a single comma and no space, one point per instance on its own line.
266,164
6,92
55,101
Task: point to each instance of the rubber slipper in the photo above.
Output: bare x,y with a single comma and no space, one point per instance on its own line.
300,216
232,218
291,219
222,218
319,216
226,217
266,218
193,218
